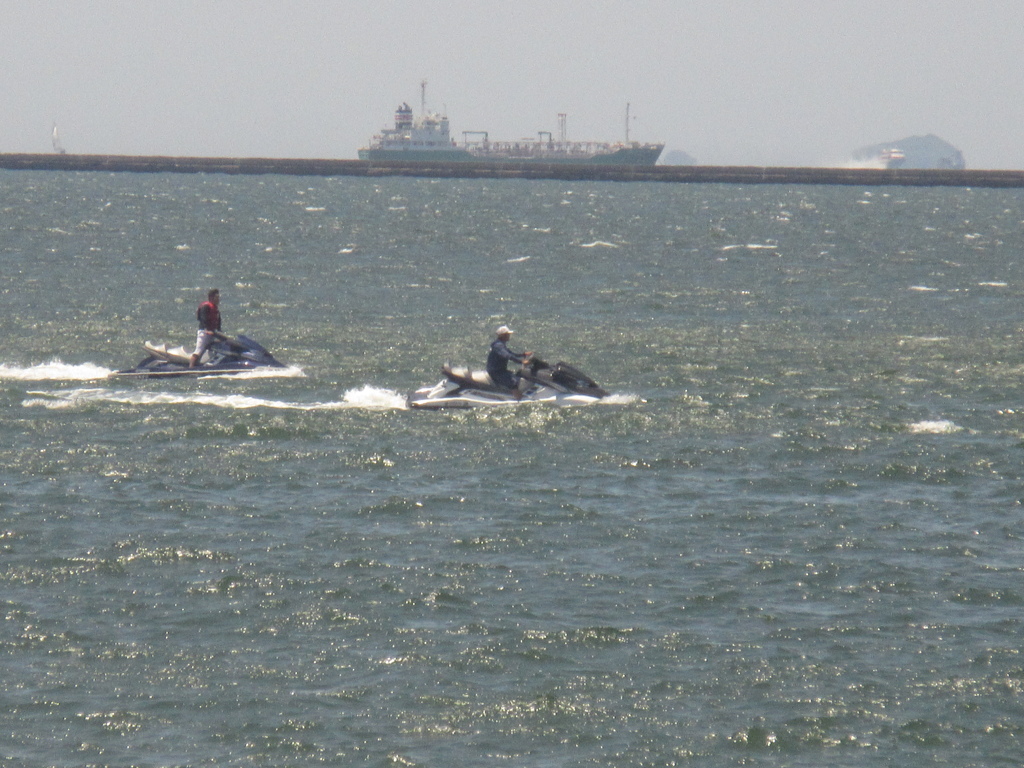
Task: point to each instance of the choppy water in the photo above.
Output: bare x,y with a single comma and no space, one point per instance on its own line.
792,538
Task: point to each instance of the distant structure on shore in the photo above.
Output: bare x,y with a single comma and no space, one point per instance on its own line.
920,152
427,138
914,152
677,157
55,140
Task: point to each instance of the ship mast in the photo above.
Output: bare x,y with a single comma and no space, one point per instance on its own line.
423,97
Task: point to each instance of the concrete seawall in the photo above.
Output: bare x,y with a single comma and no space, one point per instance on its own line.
680,174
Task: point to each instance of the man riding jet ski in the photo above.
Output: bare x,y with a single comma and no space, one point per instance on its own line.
560,384
498,359
214,352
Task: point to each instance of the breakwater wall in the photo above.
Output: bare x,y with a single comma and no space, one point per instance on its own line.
680,174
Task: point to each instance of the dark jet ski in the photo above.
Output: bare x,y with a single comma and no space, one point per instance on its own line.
225,355
558,384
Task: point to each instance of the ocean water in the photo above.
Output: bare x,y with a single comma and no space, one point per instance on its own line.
791,538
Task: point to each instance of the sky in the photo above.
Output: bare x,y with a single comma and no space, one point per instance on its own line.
730,82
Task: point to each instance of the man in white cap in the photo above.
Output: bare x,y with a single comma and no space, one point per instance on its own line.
498,358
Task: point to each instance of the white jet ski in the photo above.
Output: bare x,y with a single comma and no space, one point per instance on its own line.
558,384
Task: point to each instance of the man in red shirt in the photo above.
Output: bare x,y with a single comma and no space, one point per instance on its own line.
208,315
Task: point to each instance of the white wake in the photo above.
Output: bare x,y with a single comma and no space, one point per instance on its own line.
367,397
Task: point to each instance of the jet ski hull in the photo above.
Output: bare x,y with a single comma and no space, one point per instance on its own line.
559,385
420,400
225,356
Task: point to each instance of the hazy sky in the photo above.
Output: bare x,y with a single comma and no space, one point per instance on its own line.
734,82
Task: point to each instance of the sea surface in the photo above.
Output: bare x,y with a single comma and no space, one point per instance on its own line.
792,537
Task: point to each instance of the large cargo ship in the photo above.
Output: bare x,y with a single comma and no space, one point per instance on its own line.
428,138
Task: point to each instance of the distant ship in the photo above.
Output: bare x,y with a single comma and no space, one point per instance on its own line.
427,138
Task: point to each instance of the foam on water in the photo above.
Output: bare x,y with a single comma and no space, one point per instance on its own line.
751,247
375,398
934,427
54,370
290,372
366,397
620,398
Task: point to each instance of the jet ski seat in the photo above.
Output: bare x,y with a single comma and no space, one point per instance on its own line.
469,378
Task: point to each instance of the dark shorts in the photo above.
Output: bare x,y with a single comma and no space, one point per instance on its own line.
505,379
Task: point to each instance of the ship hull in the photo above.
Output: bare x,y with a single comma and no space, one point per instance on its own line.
646,155
417,155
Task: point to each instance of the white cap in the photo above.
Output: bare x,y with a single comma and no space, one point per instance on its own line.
504,329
